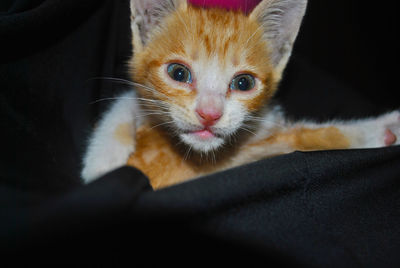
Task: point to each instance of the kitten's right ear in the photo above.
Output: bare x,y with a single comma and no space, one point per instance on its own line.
147,15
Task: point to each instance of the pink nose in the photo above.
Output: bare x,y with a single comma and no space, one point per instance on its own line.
209,117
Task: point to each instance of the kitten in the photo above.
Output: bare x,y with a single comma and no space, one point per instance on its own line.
204,78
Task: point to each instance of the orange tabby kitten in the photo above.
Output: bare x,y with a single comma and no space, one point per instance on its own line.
204,79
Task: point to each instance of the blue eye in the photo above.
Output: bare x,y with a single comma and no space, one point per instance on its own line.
179,73
243,82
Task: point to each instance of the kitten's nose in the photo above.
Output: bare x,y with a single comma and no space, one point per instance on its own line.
209,116
209,108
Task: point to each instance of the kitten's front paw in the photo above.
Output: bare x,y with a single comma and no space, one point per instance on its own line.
392,131
385,130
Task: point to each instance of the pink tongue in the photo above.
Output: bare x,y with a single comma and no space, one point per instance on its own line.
245,5
204,134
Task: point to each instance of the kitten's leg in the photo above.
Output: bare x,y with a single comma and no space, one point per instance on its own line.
113,140
376,132
365,133
306,136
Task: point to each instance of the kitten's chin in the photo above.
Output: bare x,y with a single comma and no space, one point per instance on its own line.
202,141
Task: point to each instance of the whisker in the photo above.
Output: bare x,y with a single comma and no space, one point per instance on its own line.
115,98
186,156
130,83
214,159
155,109
108,99
263,120
149,106
245,129
233,138
120,80
157,103
165,123
154,101
147,114
150,89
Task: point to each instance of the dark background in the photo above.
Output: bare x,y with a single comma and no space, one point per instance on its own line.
356,42
319,209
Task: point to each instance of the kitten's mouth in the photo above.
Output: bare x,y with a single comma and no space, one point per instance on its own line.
203,140
203,134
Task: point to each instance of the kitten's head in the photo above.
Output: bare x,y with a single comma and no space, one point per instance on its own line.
207,71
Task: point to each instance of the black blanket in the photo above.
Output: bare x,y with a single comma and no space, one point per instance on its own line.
314,209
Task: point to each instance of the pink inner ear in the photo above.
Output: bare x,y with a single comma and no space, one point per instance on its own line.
244,5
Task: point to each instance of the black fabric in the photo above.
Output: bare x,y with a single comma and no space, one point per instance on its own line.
315,209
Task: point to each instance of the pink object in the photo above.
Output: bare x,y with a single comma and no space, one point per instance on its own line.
245,5
209,116
204,134
390,138
209,107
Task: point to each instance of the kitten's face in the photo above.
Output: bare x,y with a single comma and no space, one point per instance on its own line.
210,70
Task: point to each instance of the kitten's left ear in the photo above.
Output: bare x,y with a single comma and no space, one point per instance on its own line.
280,20
147,15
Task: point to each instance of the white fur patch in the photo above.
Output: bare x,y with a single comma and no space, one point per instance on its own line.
201,145
105,152
370,132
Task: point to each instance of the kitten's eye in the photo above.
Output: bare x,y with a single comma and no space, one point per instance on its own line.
179,73
243,82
